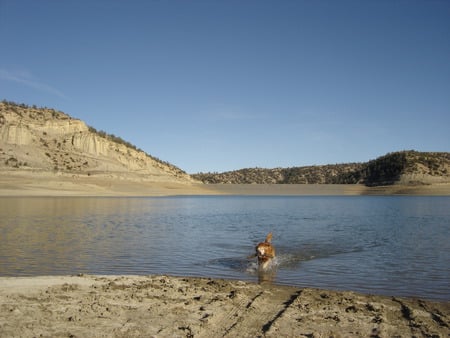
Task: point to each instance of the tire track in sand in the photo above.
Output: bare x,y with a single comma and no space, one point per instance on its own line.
250,315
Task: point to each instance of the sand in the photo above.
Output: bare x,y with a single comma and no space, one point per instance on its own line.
48,184
163,306
330,189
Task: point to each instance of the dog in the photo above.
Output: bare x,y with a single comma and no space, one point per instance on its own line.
265,252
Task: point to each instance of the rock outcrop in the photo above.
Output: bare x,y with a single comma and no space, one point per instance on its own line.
42,139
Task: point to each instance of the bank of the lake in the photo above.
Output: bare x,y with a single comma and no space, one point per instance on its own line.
48,184
163,306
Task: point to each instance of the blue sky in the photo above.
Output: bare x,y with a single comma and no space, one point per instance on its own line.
223,85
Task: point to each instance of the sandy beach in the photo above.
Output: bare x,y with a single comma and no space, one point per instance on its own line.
164,306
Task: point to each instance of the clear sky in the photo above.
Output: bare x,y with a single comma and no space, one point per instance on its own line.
222,85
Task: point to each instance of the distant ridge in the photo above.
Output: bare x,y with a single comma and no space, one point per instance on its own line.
404,167
34,139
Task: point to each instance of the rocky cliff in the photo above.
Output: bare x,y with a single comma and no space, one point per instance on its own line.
42,139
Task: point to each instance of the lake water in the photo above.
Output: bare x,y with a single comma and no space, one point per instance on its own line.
374,244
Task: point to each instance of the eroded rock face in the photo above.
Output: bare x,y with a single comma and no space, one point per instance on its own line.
90,143
16,134
45,139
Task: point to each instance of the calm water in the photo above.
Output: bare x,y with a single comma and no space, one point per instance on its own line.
382,245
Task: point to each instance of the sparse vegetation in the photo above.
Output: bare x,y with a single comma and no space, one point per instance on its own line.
15,163
385,170
33,111
129,145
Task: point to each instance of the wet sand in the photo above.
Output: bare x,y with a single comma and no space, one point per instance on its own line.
163,306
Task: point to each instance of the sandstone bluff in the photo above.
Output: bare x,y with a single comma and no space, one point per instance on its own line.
42,140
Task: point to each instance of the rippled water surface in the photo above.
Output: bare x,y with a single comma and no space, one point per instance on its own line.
383,245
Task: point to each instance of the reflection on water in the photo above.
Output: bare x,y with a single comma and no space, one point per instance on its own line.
369,244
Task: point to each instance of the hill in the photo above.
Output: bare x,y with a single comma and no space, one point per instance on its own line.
42,140
44,144
404,167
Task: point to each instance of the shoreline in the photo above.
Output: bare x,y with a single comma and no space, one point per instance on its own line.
162,306
331,189
44,184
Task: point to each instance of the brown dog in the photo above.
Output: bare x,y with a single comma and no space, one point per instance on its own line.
265,252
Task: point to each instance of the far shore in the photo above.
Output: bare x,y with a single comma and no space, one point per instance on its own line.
330,189
52,185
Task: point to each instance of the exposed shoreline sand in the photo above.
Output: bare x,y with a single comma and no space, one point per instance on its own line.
164,306
44,184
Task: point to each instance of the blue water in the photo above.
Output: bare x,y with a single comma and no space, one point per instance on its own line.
374,244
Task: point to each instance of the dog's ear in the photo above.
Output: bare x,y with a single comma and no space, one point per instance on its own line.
269,238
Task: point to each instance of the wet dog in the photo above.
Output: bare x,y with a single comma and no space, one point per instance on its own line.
265,252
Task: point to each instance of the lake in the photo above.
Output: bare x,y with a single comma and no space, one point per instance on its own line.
391,245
